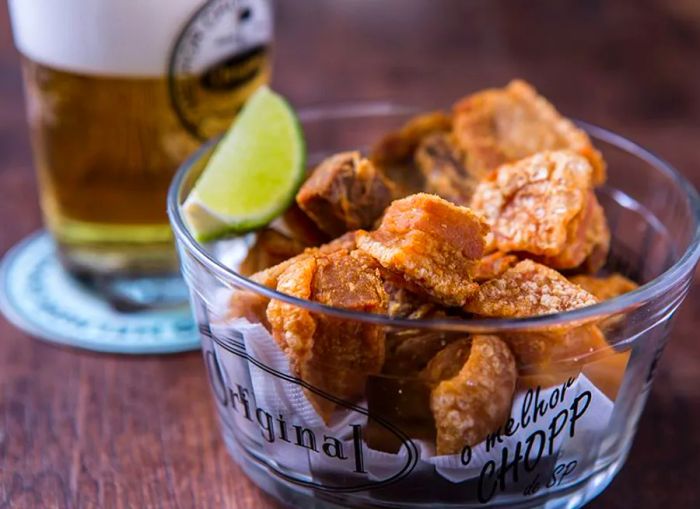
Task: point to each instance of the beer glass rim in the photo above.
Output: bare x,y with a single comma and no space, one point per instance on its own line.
646,293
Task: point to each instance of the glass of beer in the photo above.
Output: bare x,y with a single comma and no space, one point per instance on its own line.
118,93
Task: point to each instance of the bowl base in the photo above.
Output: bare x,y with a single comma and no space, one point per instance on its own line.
291,495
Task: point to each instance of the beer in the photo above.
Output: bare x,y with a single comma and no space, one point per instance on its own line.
119,93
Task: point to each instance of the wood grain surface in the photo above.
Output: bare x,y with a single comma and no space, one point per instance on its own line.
82,430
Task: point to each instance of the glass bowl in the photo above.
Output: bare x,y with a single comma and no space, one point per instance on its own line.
572,421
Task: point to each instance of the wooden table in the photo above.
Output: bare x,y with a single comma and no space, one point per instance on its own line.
85,430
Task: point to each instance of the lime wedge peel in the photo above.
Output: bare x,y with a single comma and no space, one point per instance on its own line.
253,173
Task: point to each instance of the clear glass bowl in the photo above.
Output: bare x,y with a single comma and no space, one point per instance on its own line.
572,421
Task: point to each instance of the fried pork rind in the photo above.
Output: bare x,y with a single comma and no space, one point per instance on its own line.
406,300
597,235
498,126
399,395
432,244
345,192
251,305
544,205
270,248
546,356
557,349
531,289
556,356
399,146
528,289
345,242
331,354
409,352
447,362
442,165
605,288
394,153
476,399
493,265
293,327
301,227
588,240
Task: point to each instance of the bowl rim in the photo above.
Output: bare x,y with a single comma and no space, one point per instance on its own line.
646,293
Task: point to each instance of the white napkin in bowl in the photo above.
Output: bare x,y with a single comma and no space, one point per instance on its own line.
248,356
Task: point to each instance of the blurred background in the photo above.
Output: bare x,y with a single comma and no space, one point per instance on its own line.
630,65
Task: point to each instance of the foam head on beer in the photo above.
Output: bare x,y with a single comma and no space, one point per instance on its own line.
125,37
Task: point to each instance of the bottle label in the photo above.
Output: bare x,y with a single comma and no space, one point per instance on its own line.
220,56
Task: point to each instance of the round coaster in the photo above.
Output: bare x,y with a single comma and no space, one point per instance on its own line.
37,296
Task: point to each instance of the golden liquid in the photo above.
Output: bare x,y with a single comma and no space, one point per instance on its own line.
106,149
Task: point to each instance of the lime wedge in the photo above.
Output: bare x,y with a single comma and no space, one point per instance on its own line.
253,173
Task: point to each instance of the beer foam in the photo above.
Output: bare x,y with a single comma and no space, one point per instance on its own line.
105,37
